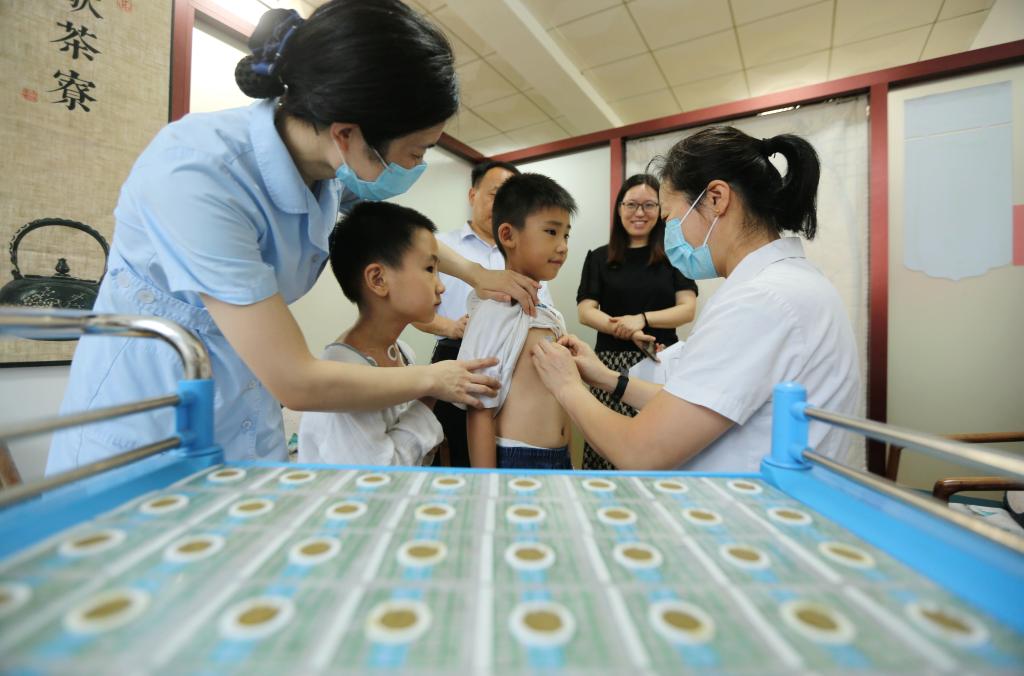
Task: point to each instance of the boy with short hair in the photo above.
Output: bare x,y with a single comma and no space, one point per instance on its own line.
384,256
523,425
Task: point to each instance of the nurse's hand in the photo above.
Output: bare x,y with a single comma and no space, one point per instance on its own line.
556,367
455,381
505,285
591,369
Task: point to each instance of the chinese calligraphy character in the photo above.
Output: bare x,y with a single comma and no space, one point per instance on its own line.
77,5
73,91
75,40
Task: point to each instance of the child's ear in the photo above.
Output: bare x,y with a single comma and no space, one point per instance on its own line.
507,236
376,279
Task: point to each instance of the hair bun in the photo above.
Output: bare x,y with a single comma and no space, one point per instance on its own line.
253,84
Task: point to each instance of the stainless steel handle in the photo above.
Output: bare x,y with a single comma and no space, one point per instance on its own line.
947,449
70,324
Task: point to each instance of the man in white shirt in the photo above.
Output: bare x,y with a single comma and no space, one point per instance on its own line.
474,241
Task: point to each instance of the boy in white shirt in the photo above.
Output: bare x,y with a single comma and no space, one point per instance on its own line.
523,426
385,259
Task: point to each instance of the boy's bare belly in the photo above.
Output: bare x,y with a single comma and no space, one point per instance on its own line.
531,414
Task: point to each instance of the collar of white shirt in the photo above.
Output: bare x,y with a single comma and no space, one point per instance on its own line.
469,233
758,260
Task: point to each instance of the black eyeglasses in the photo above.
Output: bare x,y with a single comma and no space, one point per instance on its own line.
648,207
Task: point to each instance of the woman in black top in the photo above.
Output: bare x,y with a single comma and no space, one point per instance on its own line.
630,293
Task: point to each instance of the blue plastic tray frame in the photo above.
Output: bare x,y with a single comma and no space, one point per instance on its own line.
980,571
26,523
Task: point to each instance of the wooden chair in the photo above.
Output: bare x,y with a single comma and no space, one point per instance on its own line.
945,488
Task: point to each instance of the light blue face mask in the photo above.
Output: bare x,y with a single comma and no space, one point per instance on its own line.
694,263
394,180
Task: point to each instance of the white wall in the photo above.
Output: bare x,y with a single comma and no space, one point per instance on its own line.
29,393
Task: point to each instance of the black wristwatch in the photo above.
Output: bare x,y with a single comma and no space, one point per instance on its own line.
620,388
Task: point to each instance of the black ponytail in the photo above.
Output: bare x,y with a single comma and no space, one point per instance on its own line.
780,203
375,63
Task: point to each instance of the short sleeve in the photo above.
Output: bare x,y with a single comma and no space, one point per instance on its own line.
680,282
203,227
742,348
590,280
488,334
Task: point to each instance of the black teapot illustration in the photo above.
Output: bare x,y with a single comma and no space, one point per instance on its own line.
59,290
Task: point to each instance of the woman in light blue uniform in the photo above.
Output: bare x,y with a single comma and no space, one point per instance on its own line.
224,221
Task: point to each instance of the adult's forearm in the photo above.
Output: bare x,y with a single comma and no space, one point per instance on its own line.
672,317
454,264
596,319
324,385
638,391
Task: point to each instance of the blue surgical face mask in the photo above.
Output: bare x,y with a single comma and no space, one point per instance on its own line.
694,263
394,180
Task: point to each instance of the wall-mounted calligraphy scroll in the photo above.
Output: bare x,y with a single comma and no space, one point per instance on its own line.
85,86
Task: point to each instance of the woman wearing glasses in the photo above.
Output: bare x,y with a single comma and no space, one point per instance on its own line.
630,293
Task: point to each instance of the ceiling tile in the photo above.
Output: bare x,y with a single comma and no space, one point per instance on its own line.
863,19
777,77
495,145
884,52
463,54
508,72
782,37
646,106
545,132
601,38
454,23
954,35
570,128
542,102
667,22
511,112
712,91
480,83
629,77
745,11
417,6
951,8
471,127
550,14
700,59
